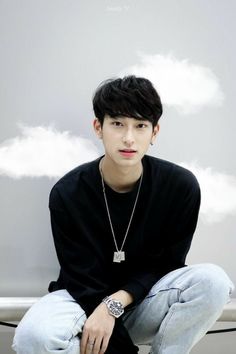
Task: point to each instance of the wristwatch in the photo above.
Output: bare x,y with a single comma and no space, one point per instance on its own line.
115,307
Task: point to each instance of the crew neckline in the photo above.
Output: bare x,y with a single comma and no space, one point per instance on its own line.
122,194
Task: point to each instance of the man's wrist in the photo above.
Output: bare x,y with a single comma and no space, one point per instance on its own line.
123,296
114,306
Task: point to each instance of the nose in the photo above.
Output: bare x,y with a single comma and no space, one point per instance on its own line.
128,137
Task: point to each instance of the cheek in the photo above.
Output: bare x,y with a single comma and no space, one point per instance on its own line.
145,139
108,142
111,138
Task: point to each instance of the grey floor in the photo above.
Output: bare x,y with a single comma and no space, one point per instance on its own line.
211,344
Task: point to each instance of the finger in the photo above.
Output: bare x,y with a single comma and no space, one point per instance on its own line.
104,345
91,340
89,347
83,342
97,345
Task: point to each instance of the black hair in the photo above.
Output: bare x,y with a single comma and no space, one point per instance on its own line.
129,96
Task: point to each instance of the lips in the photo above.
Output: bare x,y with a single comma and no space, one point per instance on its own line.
128,153
127,150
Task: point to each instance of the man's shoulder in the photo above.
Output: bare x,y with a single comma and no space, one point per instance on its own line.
76,172
170,172
70,181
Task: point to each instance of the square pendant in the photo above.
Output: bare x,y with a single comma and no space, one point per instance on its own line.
122,255
119,256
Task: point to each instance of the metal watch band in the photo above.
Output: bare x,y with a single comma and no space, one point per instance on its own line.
114,306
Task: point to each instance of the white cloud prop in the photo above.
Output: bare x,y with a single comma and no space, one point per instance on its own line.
218,192
181,84
44,151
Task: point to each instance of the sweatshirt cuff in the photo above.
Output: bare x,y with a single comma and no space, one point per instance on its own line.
137,290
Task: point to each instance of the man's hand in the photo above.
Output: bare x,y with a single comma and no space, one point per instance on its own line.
97,331
99,326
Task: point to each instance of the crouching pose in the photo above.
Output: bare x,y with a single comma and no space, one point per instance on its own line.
122,226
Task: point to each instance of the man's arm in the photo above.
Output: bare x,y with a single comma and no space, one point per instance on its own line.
99,326
177,235
75,260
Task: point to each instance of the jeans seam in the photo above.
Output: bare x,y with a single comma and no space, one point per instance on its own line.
170,313
164,330
74,322
162,290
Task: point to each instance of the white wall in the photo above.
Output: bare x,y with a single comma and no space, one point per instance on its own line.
53,56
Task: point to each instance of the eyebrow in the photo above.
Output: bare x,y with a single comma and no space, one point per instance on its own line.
136,118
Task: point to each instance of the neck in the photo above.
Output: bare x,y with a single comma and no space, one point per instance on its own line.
119,178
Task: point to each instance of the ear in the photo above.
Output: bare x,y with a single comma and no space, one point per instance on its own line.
154,133
97,128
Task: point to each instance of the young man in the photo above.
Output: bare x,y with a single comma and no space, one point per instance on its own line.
122,227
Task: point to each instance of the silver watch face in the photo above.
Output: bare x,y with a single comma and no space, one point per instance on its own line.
116,308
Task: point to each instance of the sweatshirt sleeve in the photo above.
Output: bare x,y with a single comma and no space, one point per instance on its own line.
178,236
80,271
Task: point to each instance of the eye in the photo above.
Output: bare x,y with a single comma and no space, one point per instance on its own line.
142,126
116,124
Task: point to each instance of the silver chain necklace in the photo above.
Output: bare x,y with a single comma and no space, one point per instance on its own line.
119,255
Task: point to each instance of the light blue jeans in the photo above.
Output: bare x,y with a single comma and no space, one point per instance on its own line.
178,311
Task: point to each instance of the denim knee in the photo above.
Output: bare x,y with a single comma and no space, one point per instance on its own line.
27,339
214,285
37,338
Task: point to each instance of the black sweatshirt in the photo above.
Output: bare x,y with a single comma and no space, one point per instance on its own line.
158,241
